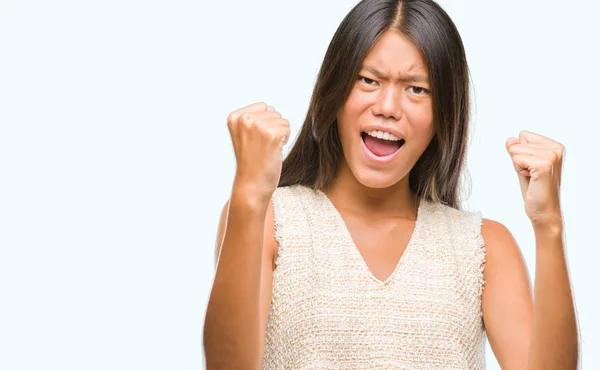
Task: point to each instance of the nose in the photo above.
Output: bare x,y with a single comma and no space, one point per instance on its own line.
388,103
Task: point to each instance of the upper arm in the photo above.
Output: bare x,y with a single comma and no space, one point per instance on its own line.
266,276
507,299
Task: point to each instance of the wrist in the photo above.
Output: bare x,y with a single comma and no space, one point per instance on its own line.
548,229
250,196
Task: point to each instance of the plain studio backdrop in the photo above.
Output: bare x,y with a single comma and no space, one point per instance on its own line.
115,158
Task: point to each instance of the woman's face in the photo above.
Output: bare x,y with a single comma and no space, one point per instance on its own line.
391,95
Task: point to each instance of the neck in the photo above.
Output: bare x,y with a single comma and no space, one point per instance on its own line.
349,195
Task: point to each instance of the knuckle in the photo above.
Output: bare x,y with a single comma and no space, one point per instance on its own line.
273,134
230,118
270,135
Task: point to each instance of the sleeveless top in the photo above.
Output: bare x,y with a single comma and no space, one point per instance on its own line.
328,311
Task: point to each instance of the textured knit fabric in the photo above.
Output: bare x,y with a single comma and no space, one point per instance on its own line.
328,311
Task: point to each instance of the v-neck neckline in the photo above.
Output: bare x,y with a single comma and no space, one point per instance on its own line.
356,252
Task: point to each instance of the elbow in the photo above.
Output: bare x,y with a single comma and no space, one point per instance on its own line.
568,360
223,353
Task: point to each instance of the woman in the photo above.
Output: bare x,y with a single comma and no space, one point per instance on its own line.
353,252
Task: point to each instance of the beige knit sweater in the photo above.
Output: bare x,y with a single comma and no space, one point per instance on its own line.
328,310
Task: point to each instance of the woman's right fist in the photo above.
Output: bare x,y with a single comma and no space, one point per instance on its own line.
258,133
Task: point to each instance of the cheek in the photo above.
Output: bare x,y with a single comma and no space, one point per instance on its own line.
356,103
349,114
421,118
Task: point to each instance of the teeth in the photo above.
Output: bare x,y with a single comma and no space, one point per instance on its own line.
383,135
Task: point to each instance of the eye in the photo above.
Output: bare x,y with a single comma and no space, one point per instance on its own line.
367,81
420,90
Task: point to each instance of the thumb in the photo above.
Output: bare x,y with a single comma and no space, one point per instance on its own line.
510,141
522,173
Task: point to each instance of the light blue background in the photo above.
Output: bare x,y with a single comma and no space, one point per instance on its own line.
115,159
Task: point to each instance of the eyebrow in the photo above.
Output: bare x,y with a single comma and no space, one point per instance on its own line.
408,78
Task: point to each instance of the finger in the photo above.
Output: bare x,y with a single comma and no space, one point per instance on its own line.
529,149
557,147
537,167
523,138
520,170
264,116
286,136
510,141
256,107
282,132
533,138
534,145
559,168
523,175
276,121
543,153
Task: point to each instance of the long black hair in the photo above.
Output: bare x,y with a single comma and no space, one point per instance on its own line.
315,157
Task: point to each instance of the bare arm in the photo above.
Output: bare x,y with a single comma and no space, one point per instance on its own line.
507,301
525,333
239,303
554,343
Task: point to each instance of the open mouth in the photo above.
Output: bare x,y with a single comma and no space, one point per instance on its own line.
381,147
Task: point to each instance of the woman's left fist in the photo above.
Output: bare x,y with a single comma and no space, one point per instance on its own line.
538,161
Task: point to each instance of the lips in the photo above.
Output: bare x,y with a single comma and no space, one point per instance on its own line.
381,147
384,128
381,160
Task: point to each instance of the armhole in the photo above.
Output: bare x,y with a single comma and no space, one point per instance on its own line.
479,245
278,223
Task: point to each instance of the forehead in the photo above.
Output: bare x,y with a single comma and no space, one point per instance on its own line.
395,53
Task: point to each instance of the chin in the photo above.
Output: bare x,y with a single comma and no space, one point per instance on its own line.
376,179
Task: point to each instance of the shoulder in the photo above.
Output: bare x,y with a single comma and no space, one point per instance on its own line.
295,190
499,241
505,268
495,233
495,237
502,250
459,221
499,258
293,197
